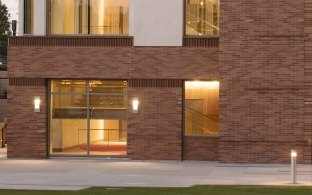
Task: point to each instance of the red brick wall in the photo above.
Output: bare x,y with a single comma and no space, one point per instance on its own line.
114,62
308,82
155,133
265,97
262,87
259,151
201,148
27,130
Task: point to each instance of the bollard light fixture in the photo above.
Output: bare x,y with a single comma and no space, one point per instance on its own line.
37,102
135,105
293,155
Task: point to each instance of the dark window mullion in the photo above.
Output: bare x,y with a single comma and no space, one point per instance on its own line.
89,18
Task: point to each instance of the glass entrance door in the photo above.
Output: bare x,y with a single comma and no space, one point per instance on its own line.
88,117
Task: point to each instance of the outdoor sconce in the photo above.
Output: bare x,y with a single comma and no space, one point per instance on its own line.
135,105
293,155
37,103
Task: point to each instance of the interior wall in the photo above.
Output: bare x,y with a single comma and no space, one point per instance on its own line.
210,99
74,132
64,132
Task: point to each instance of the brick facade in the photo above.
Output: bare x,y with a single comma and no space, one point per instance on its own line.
263,63
156,132
307,150
200,148
26,130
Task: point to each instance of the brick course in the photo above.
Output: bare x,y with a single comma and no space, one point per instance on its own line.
114,62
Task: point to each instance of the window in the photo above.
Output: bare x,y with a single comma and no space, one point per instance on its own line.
202,17
96,17
28,16
201,108
88,117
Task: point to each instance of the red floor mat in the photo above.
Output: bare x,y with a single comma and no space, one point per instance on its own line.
105,147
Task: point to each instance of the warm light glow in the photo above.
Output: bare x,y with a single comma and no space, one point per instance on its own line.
37,103
135,105
101,17
102,127
293,153
202,84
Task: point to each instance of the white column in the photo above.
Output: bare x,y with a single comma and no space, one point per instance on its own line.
40,19
156,22
20,22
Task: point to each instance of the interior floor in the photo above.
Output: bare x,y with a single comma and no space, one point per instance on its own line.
102,147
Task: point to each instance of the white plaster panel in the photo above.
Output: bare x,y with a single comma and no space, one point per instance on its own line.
157,22
40,17
20,30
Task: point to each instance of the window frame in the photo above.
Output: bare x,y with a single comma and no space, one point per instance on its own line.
24,18
81,35
87,92
184,113
197,36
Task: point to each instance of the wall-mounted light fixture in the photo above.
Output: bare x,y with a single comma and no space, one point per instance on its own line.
135,105
37,103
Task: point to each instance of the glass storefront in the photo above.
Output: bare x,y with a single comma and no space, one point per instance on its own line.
88,117
96,17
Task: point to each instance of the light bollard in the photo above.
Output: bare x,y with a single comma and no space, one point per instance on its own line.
294,166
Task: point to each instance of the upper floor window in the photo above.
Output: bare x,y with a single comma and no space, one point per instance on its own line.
28,16
96,17
202,17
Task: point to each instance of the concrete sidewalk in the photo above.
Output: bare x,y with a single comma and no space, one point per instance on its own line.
75,174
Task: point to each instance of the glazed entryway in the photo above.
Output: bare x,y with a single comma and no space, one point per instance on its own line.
88,117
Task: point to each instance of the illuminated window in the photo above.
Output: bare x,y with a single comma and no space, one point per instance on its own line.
28,16
97,17
88,117
201,108
202,17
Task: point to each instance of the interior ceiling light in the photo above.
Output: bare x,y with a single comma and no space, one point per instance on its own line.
202,84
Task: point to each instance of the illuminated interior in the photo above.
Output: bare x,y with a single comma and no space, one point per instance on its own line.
201,108
97,17
202,17
88,118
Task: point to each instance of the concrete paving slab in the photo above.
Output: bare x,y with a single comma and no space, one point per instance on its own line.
75,174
